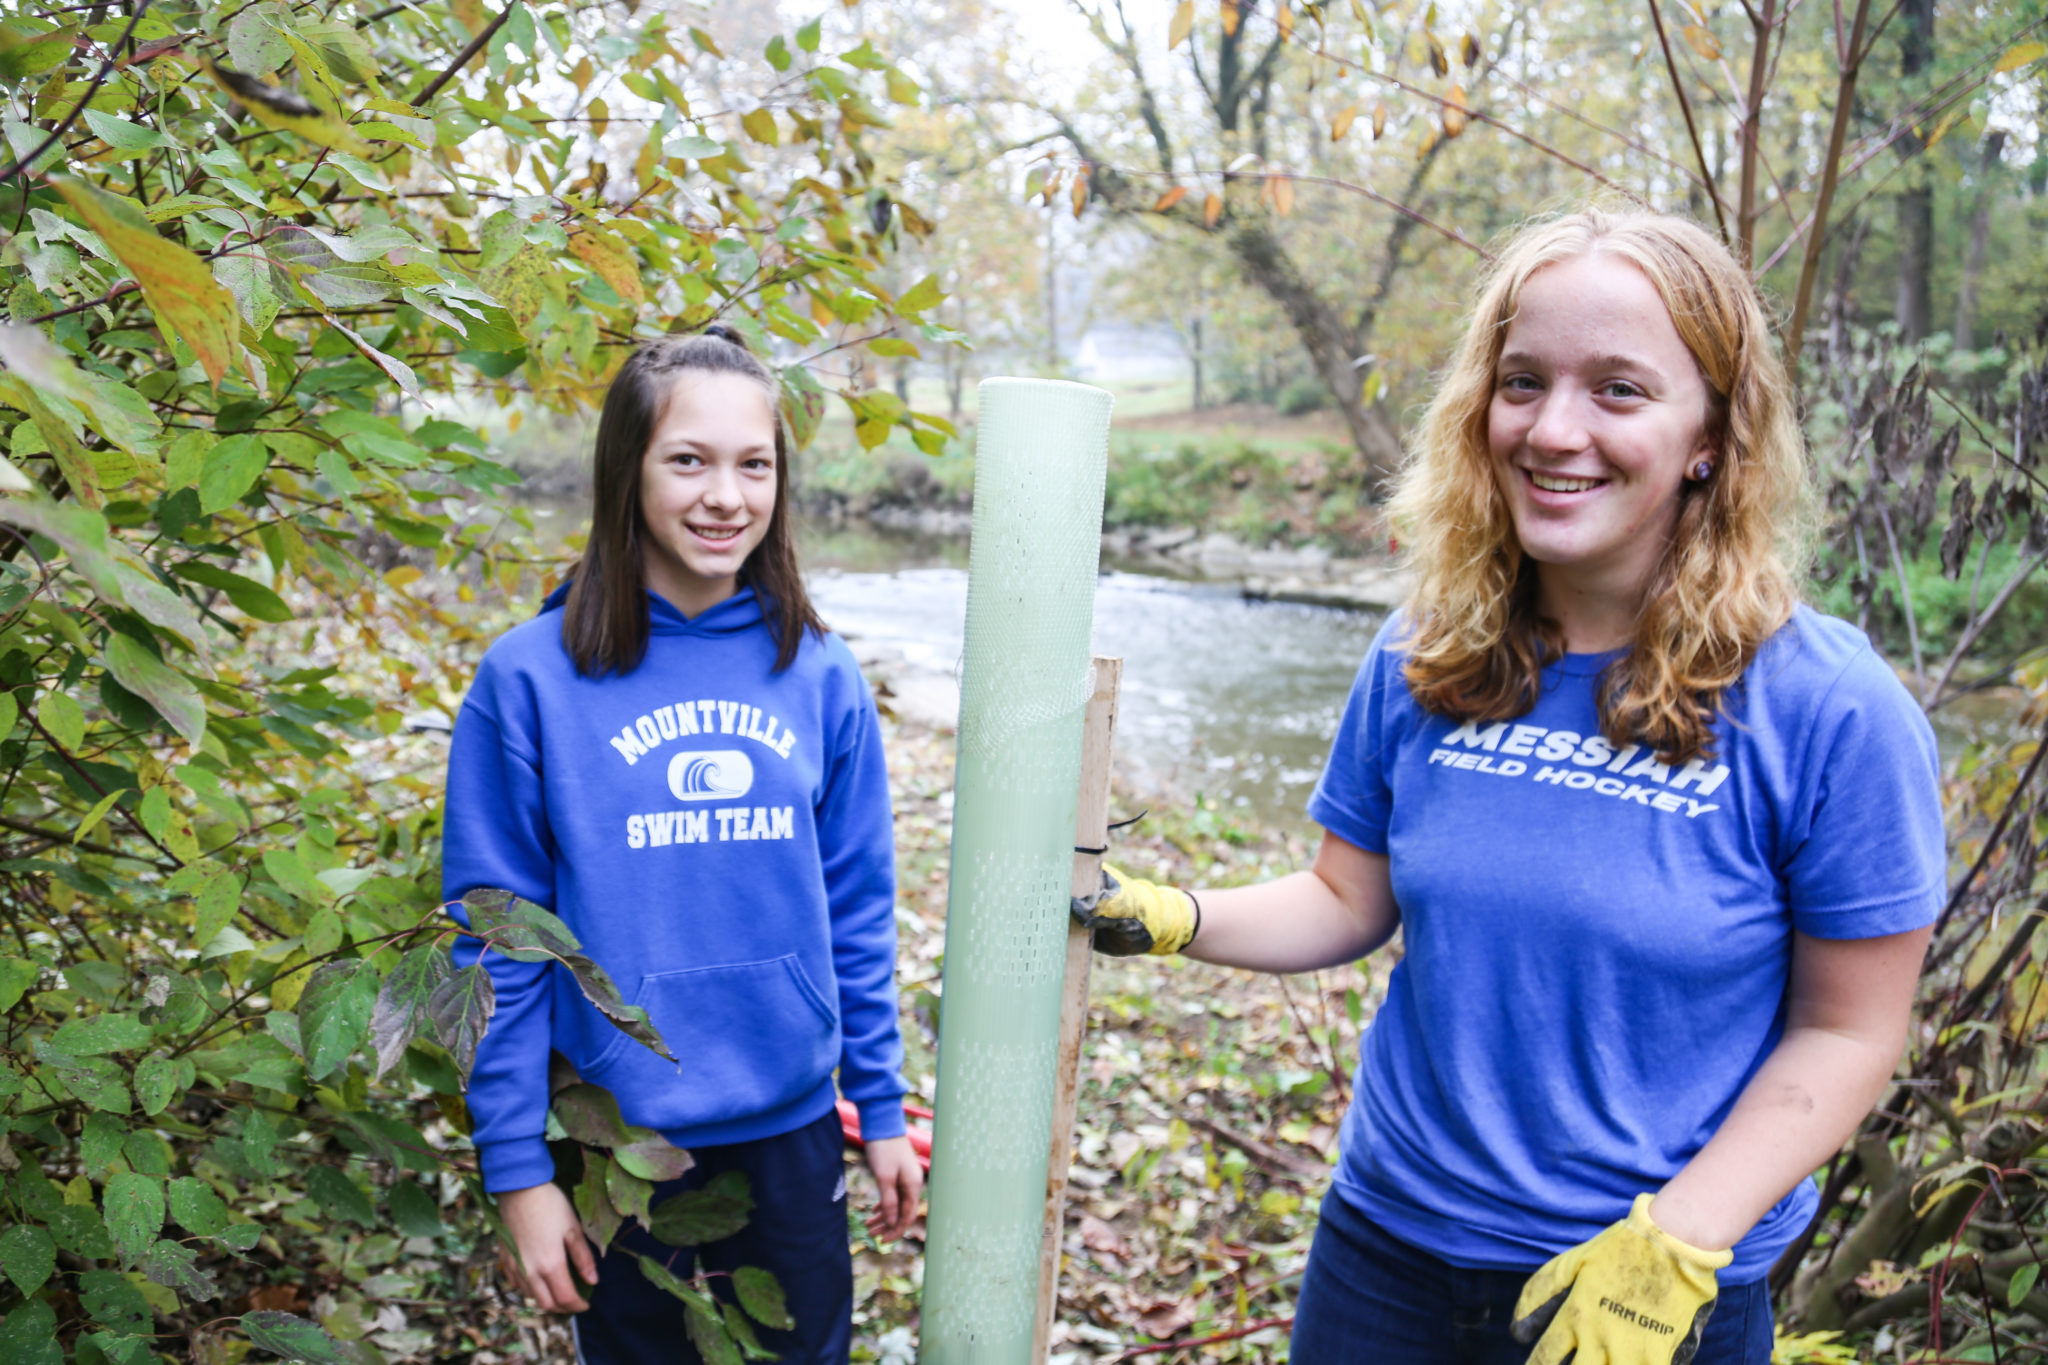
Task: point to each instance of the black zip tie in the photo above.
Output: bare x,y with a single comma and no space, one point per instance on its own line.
1120,824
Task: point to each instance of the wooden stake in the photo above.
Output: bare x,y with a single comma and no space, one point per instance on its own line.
1091,830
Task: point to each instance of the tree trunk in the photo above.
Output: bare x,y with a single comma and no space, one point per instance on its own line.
1195,356
1980,240
1332,345
1915,308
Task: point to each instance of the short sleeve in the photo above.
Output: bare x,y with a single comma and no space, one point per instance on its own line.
1868,851
1353,799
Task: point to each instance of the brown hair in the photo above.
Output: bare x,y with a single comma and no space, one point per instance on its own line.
605,622
1725,583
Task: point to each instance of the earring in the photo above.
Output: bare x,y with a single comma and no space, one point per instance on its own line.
1703,471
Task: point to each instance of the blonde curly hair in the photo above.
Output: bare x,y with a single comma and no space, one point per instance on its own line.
1477,643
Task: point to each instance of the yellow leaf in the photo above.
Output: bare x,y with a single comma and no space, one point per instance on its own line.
582,75
275,107
1468,51
1949,120
1341,124
1702,40
188,302
1285,20
1439,61
1232,16
761,126
1283,194
612,261
1170,198
1183,24
80,470
1455,115
1379,120
1212,210
410,573
1364,17
2017,57
470,14
1079,194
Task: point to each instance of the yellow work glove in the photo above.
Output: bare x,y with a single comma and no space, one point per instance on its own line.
1130,916
1634,1295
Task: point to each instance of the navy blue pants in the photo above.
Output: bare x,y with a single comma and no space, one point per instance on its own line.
797,1232
1369,1297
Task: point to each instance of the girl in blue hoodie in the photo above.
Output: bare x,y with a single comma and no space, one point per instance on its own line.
678,760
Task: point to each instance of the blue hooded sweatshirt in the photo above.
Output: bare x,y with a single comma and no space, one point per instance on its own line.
719,837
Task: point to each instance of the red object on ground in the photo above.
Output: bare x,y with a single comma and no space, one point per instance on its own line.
920,1138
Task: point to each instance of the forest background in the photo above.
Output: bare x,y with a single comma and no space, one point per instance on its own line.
298,292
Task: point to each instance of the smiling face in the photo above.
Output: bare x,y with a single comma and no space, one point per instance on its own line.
1598,412
707,487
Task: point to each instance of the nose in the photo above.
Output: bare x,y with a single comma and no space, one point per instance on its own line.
722,490
1559,427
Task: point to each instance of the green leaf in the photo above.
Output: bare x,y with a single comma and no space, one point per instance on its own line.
414,1211
667,1280
653,1157
97,813
249,596
156,1083
176,1266
339,1195
170,692
176,284
402,1002
229,470
126,140
115,1302
517,928
63,718
710,1214
461,1009
216,896
601,1222
134,1212
599,990
101,1033
196,1207
29,1336
28,1256
777,53
920,296
708,1335
628,1192
16,976
590,1114
807,36
294,1338
761,1296
334,1012
2021,1284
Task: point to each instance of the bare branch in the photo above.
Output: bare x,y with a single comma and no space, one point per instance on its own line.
1691,131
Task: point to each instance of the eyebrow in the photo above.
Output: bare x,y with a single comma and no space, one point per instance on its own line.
1611,361
692,445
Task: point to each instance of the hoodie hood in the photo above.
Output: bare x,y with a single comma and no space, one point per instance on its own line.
736,613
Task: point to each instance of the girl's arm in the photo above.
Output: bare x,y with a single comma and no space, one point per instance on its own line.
1847,1013
1338,911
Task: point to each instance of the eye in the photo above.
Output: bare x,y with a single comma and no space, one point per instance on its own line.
686,458
1520,383
1620,388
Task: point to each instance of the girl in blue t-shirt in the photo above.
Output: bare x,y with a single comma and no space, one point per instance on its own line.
1663,845
679,762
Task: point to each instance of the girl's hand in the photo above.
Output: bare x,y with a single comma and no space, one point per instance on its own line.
550,1240
901,1181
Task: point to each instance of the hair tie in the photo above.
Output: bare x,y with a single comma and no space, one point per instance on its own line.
725,334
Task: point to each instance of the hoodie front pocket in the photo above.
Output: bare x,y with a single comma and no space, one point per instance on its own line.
751,1037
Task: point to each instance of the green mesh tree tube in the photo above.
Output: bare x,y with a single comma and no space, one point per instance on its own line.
1040,459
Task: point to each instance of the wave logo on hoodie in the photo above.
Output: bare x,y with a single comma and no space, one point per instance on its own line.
710,774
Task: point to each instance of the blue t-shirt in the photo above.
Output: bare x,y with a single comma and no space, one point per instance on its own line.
1597,944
